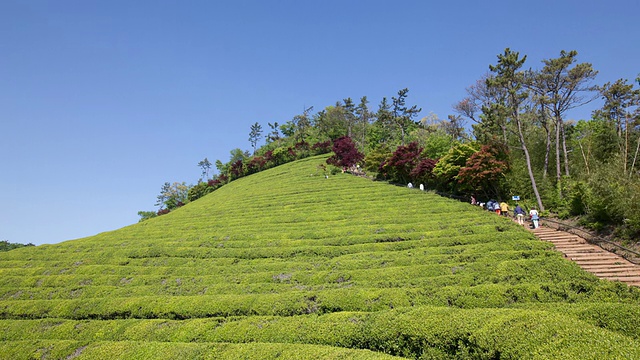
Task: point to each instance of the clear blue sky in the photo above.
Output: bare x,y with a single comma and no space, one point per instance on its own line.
101,102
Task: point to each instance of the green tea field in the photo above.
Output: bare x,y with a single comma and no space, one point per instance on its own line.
287,264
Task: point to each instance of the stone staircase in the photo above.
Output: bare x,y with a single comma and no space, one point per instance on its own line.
591,258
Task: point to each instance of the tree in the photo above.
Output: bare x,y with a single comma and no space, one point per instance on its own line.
381,131
172,195
345,153
146,215
331,123
298,127
508,78
402,162
255,135
274,135
423,172
349,115
448,167
205,165
619,100
403,115
561,88
364,119
6,245
481,97
484,170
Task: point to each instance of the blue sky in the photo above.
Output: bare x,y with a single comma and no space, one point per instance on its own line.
101,102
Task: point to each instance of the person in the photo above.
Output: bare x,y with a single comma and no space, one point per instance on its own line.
473,200
504,209
410,186
421,187
492,205
495,206
534,217
519,211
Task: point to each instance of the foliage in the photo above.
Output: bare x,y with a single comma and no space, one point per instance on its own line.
435,143
484,171
448,167
199,190
322,147
256,164
402,162
255,135
146,215
345,153
172,195
374,159
423,172
6,245
206,166
237,170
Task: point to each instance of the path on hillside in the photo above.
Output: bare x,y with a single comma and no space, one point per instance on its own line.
592,258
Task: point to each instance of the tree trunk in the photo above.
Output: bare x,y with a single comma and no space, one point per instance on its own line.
633,165
564,150
528,160
626,142
558,168
545,169
584,156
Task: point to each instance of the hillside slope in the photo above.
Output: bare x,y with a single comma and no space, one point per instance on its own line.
288,264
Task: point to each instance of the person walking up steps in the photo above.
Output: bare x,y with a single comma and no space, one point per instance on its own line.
504,209
534,217
519,211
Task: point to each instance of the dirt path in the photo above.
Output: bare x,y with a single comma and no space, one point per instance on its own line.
592,258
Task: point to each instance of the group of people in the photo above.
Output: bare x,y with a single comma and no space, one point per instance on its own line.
502,208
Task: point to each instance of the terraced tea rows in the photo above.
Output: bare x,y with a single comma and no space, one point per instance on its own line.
288,264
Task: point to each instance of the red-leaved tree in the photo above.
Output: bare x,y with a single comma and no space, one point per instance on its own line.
484,171
423,172
400,164
345,153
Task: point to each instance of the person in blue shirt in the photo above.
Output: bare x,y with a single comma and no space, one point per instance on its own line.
519,211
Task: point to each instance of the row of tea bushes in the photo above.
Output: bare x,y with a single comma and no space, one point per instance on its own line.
453,333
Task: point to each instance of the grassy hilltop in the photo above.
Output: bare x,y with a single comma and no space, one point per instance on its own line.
288,264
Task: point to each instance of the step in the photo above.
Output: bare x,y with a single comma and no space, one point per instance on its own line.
569,242
598,255
593,261
557,236
606,267
615,270
582,249
623,278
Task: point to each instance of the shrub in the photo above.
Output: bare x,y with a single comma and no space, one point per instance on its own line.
484,171
199,190
256,164
320,148
402,162
345,153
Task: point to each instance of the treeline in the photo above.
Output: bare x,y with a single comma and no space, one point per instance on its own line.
519,142
6,245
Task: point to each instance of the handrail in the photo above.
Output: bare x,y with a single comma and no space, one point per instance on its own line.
598,238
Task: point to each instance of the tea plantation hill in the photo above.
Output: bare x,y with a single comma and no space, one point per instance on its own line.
287,264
